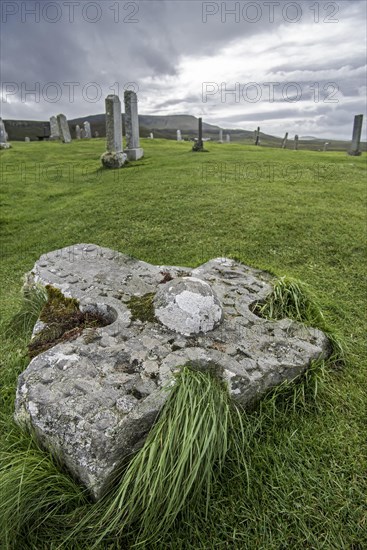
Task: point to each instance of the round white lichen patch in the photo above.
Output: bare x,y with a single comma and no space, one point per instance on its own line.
188,305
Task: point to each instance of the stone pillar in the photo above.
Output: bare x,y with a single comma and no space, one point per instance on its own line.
63,128
198,145
54,129
296,142
257,136
179,136
284,141
220,140
87,129
356,139
114,157
325,146
3,136
78,132
133,149
228,138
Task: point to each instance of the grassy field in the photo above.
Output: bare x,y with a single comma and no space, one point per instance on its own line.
301,214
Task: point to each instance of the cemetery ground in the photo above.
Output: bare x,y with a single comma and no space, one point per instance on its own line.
300,214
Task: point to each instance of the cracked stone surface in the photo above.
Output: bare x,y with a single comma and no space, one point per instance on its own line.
93,400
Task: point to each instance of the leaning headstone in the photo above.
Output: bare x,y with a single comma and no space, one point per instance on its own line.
64,128
133,149
296,142
228,138
78,132
54,129
284,141
27,139
220,140
198,145
325,146
114,157
356,139
3,136
179,136
93,400
257,136
87,129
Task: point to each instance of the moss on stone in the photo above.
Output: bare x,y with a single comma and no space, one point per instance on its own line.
142,307
63,321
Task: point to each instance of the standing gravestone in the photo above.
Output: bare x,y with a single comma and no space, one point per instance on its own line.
325,146
296,142
114,157
356,139
228,138
64,128
27,139
78,132
179,136
257,136
83,133
3,136
54,129
133,149
220,140
198,145
87,129
151,136
284,141
96,134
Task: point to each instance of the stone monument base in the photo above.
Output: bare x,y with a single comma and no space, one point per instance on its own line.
134,154
5,146
113,160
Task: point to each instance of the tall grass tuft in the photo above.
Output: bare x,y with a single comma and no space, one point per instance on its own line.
22,323
182,457
293,299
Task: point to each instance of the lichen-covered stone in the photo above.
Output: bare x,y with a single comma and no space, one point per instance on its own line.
94,399
113,160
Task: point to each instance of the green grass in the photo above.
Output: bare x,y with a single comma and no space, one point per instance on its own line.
298,214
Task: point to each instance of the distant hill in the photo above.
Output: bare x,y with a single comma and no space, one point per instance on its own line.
166,127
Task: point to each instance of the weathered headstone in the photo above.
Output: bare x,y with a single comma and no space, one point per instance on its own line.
27,139
228,138
284,141
64,128
179,136
220,140
198,145
257,136
92,400
114,157
83,133
54,129
296,142
325,146
133,149
151,135
356,138
96,134
78,133
3,136
87,129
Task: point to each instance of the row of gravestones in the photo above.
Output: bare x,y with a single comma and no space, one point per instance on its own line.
115,157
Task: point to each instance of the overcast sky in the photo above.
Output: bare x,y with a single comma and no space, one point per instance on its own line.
285,66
